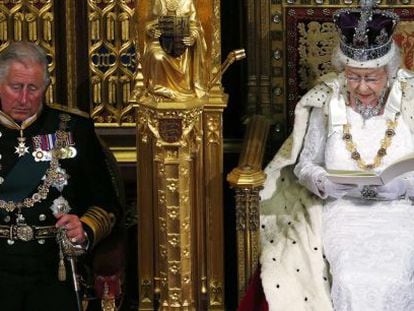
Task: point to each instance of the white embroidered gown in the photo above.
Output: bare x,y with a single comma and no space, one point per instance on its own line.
368,244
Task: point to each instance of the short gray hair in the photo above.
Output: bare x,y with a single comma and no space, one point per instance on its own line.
23,52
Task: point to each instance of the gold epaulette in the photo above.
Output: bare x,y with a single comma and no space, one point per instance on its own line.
100,222
75,111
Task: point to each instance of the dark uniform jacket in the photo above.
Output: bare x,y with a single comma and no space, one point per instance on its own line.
89,189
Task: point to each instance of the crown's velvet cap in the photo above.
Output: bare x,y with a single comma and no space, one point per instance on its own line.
379,29
365,34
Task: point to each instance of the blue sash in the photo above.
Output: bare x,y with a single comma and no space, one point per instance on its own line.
23,179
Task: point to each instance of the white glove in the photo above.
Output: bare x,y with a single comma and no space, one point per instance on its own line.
393,190
331,189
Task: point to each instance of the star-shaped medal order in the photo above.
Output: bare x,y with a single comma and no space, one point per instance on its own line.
21,148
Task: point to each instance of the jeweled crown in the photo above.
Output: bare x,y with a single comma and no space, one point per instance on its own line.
365,32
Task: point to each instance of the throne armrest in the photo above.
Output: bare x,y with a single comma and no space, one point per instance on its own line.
249,173
247,180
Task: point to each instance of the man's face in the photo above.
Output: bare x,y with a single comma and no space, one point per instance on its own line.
21,91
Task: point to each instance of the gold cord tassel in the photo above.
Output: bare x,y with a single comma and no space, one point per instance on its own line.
61,269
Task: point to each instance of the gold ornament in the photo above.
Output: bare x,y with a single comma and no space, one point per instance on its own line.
382,151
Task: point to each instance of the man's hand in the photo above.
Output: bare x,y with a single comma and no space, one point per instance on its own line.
73,226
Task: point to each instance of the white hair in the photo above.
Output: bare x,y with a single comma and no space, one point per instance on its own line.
23,52
390,61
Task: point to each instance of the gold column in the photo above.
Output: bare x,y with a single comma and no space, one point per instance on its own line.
180,158
171,221
213,199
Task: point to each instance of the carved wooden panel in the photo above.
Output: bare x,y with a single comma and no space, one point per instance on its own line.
112,59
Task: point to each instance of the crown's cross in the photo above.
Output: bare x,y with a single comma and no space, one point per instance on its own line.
368,4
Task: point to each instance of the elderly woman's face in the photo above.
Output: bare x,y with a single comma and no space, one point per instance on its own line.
366,84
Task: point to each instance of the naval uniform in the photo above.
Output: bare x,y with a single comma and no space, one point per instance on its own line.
60,158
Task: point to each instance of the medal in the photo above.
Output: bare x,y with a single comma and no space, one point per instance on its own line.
21,148
38,155
41,155
46,144
61,179
63,153
72,152
60,206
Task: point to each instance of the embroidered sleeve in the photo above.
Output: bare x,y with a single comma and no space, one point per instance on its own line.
99,221
311,160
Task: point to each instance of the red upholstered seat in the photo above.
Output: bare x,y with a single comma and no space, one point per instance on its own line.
254,299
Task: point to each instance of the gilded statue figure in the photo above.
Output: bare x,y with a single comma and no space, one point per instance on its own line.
174,58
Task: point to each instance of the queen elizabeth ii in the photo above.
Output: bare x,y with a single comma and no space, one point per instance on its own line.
329,246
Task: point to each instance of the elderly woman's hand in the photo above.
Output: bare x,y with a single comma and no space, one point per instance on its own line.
331,189
337,191
393,190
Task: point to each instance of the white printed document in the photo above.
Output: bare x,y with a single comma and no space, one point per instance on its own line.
399,167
